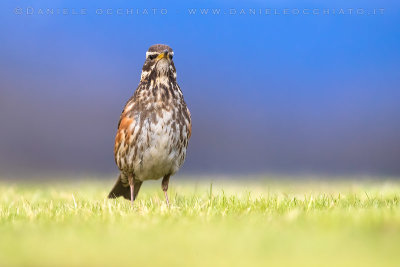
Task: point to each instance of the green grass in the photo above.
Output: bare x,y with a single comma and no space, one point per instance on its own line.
301,223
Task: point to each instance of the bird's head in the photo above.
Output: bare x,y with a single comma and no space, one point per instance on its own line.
159,63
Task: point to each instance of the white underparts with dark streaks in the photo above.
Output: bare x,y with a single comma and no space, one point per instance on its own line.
157,145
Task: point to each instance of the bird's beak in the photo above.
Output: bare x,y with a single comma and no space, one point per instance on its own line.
163,55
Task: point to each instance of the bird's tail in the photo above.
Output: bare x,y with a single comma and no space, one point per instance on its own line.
120,190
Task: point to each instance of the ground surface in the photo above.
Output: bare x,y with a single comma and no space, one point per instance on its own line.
299,223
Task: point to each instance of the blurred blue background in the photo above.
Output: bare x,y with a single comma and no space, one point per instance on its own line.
267,93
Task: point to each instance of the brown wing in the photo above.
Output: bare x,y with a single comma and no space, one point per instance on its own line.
190,123
124,132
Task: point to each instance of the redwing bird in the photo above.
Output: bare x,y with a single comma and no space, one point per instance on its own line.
154,127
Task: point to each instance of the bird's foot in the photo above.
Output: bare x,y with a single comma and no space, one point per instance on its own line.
166,198
132,194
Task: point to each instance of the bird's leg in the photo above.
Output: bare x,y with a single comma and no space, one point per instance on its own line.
132,186
164,186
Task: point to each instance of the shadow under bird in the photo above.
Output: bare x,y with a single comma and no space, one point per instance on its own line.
154,127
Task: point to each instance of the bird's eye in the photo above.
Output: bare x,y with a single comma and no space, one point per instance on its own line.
151,57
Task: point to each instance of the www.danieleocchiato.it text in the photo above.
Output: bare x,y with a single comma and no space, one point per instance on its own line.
286,11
